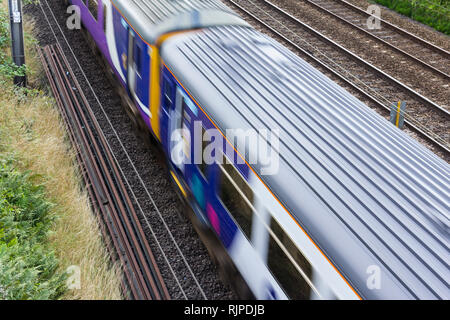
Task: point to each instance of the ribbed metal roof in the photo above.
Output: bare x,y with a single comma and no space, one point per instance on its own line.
158,11
151,18
367,193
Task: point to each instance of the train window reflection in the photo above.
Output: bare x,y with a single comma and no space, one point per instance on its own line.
237,197
203,166
168,90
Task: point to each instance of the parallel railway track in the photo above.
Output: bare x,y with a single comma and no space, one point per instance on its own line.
142,278
419,51
423,115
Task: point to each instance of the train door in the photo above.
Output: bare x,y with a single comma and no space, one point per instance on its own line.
196,173
138,75
131,75
119,41
167,101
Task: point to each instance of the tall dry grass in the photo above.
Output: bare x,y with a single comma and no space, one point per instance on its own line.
31,129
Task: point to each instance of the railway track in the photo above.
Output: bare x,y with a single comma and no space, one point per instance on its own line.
142,278
382,90
419,51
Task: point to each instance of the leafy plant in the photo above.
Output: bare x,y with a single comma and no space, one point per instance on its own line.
28,266
8,69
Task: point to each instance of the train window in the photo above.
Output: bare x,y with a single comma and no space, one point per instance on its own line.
105,16
137,58
186,116
237,197
168,92
184,107
93,8
287,275
203,166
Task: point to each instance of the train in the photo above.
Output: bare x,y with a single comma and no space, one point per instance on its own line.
299,190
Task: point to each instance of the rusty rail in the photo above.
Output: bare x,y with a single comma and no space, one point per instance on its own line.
114,208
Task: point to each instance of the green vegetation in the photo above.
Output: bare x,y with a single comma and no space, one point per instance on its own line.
28,266
8,70
46,222
435,13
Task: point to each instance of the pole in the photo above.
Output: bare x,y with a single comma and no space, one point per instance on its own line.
17,44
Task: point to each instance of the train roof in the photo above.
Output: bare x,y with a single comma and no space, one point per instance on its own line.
151,19
365,192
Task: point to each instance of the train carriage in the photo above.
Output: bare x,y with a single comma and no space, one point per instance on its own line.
347,207
350,197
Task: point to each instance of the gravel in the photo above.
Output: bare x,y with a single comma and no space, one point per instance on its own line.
147,162
417,77
425,32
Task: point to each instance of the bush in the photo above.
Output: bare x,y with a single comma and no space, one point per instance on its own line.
28,266
8,70
435,13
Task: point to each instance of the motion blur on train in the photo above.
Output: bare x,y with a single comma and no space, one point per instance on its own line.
345,205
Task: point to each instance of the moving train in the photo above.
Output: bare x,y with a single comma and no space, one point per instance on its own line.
313,195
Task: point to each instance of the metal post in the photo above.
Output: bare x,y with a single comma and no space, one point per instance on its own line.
17,45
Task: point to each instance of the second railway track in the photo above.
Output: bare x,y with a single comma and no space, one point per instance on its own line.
419,51
423,115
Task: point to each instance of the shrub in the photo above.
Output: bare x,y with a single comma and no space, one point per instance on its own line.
28,266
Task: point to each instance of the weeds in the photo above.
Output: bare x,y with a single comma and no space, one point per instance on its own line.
8,70
46,223
28,266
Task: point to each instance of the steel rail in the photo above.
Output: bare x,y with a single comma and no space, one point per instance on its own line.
124,195
414,93
325,10
87,167
436,140
408,34
92,169
112,206
105,186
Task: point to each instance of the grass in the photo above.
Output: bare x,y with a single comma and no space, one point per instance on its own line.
28,265
435,13
33,139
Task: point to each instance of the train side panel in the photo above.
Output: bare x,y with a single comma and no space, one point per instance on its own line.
273,256
205,185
